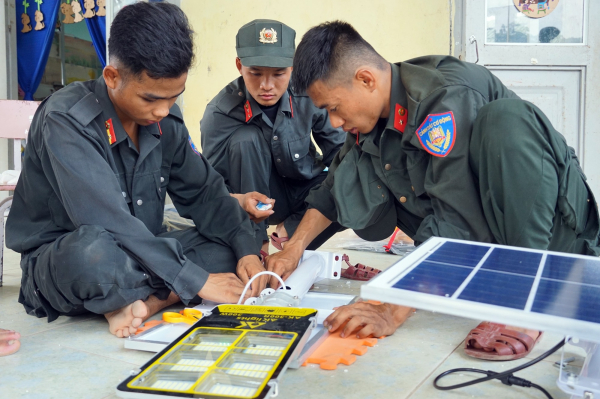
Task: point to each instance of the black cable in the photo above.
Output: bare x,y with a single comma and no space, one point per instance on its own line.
506,377
541,389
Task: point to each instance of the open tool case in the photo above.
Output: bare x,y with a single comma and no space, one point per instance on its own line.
238,351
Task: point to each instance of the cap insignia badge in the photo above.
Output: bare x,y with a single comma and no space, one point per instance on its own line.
268,36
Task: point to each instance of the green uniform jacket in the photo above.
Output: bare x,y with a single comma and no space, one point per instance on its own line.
289,139
431,188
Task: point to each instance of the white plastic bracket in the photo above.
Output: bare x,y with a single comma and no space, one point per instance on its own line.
333,264
581,382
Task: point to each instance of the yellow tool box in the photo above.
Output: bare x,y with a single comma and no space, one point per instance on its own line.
237,351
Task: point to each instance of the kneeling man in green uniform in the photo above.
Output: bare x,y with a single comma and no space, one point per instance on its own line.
101,156
257,132
436,147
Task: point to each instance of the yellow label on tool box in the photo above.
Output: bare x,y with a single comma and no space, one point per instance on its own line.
265,310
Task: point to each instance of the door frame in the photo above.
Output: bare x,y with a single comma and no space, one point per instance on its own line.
589,129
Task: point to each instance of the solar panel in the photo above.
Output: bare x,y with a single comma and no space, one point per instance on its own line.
543,290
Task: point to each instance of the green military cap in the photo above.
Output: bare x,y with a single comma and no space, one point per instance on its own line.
266,43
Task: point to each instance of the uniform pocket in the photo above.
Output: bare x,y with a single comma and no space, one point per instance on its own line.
29,295
574,199
299,148
301,164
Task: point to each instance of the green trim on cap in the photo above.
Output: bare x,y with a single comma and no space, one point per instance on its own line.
265,51
267,61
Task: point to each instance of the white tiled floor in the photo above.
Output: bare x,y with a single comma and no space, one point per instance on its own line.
76,357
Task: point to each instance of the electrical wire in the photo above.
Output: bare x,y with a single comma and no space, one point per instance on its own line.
254,277
506,377
542,389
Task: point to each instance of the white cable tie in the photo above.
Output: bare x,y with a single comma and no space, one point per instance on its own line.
254,277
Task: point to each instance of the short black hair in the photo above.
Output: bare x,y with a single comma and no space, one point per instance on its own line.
152,37
328,49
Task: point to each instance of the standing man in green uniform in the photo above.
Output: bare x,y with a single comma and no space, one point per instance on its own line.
437,147
257,132
101,156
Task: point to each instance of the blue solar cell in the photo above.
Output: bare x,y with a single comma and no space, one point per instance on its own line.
508,260
455,253
577,270
433,278
570,300
499,289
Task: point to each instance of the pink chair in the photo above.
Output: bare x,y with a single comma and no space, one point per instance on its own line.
16,117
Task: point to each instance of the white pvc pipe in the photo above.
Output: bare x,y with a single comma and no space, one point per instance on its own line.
300,281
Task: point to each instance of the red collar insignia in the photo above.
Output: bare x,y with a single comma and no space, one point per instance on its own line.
248,110
291,106
110,132
400,118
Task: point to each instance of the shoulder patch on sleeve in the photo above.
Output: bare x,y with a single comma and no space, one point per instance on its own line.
437,133
194,148
85,110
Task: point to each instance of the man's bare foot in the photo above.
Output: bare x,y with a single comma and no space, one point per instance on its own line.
125,322
9,342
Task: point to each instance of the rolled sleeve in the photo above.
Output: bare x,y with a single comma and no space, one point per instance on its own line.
243,245
320,198
189,281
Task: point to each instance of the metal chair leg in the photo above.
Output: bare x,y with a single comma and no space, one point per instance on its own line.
4,205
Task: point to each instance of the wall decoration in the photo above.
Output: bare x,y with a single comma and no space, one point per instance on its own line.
536,8
39,17
33,46
101,8
39,20
25,20
67,11
76,6
97,28
89,8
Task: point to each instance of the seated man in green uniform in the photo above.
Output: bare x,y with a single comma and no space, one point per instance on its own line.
257,132
101,156
436,147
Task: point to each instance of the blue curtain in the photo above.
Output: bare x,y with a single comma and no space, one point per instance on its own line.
97,28
33,47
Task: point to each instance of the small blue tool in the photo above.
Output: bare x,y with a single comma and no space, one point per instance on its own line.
263,207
